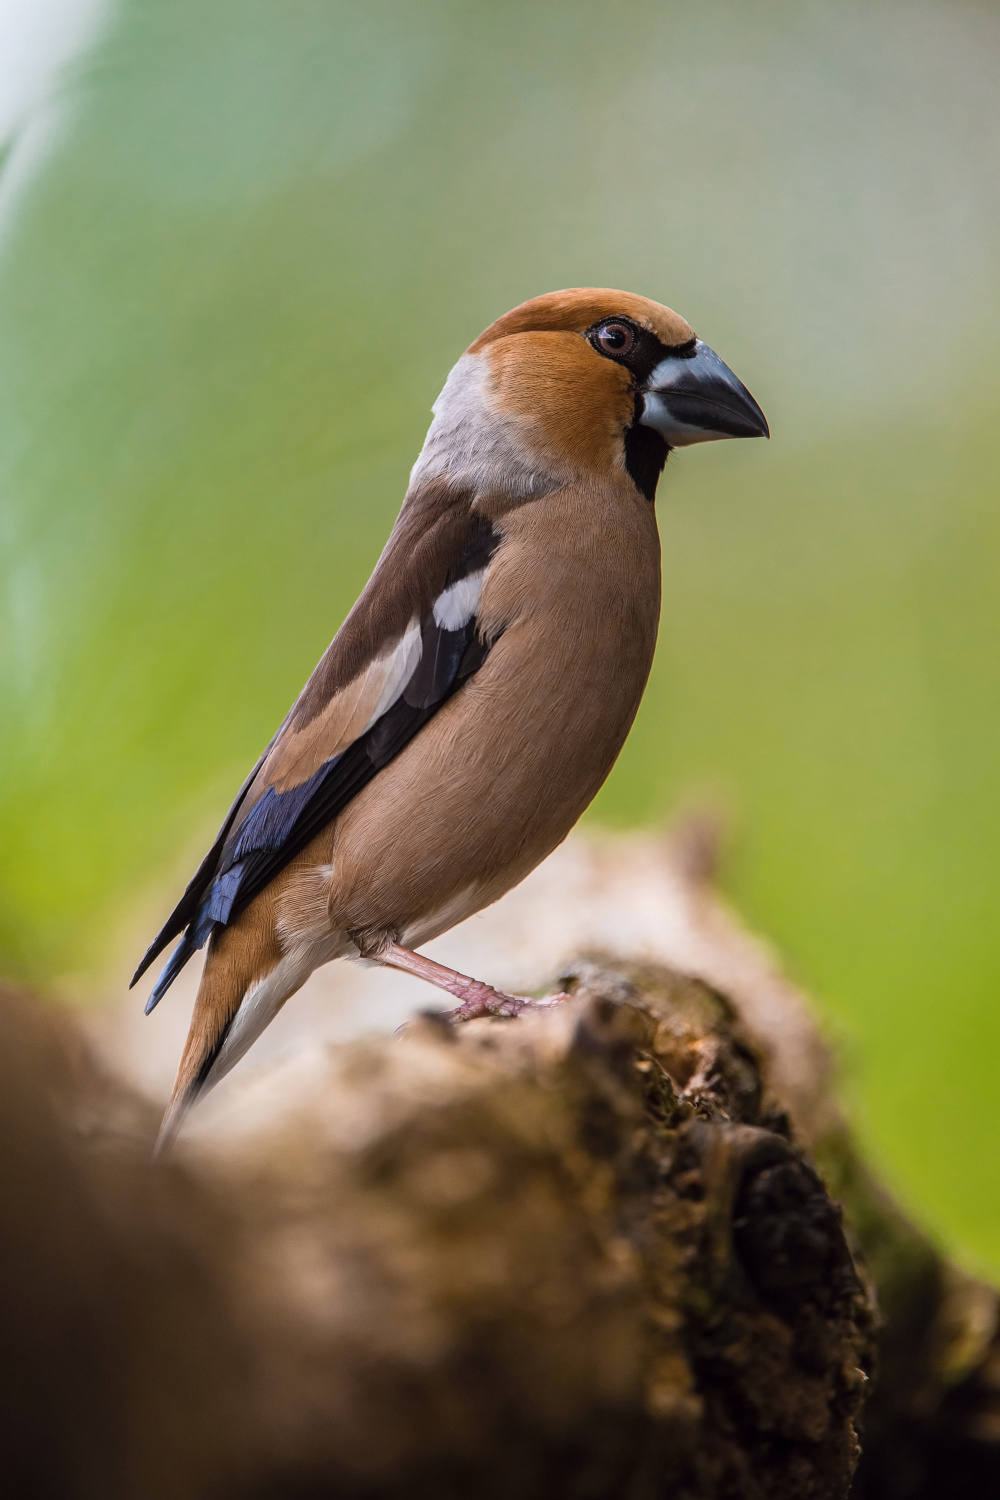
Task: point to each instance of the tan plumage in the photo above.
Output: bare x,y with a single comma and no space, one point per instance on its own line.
479,692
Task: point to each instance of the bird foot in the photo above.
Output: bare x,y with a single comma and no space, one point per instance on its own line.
496,1003
477,999
486,1001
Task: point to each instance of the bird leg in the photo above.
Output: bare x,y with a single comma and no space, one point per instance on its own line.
477,999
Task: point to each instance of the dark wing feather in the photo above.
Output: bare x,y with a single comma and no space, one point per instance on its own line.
186,908
436,542
283,823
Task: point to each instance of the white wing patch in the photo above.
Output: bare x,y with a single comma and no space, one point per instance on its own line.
346,716
398,666
362,702
457,605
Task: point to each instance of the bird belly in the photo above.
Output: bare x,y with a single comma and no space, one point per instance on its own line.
497,778
454,909
485,791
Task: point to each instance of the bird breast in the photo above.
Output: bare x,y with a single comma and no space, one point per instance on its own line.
503,771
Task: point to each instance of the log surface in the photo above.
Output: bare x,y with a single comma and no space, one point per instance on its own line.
624,1247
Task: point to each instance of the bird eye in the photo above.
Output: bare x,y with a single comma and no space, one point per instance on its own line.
614,338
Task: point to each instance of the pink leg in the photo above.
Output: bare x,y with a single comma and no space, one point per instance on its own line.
477,999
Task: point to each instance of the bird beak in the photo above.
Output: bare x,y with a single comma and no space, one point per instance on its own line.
694,398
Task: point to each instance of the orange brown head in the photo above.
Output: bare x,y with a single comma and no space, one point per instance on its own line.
583,381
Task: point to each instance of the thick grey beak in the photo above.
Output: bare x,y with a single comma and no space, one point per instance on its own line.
695,398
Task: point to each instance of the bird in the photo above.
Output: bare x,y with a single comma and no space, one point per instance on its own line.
479,691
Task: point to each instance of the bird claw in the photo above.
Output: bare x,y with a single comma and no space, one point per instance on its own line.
496,1004
489,1002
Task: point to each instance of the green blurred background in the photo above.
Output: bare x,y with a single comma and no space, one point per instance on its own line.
252,237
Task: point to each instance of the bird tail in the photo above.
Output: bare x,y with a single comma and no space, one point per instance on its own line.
244,972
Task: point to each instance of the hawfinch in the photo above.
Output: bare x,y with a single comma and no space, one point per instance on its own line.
479,691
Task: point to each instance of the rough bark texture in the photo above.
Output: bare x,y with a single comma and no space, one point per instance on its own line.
587,1253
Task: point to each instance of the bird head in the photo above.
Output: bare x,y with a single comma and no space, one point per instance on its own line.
576,382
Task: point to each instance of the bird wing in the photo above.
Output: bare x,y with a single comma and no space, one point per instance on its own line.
410,641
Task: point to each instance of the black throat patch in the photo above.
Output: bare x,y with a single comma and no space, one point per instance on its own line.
645,450
645,454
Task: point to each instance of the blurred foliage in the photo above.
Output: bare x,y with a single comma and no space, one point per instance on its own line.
227,301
